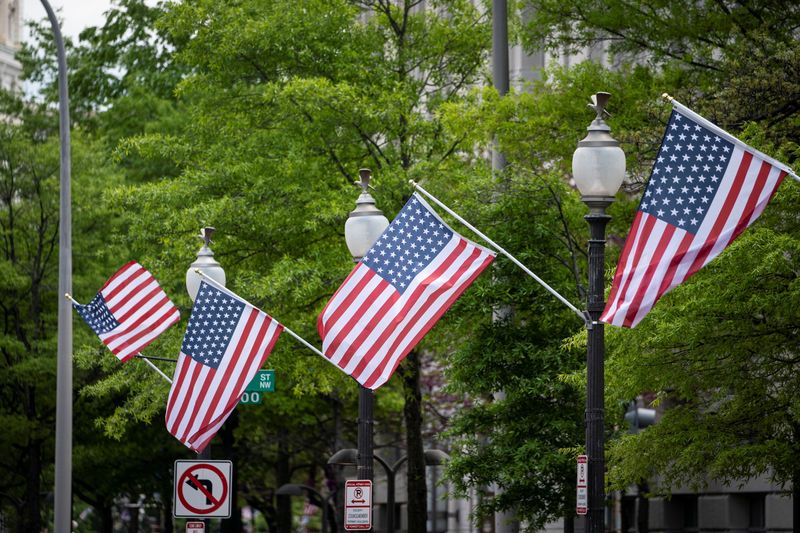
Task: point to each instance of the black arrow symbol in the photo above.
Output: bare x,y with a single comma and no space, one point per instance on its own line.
195,483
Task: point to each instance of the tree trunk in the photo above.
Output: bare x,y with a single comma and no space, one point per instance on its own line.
796,500
106,519
412,412
283,476
32,517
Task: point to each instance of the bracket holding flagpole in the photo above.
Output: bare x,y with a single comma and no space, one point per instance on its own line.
140,356
584,316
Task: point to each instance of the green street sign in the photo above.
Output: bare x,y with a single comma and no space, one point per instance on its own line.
263,382
251,397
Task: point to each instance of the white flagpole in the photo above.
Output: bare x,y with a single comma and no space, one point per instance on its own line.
154,367
285,328
143,357
502,251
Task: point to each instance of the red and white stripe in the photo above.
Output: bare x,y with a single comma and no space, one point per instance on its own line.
659,256
368,327
201,398
142,308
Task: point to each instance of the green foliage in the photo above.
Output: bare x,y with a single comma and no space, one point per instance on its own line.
29,196
719,352
524,425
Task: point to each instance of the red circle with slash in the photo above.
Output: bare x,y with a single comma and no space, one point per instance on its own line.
216,503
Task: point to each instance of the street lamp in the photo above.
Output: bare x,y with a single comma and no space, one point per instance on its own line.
294,489
63,452
363,227
598,167
349,457
206,264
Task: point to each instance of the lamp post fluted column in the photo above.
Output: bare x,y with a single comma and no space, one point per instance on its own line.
206,264
598,166
363,227
595,363
366,419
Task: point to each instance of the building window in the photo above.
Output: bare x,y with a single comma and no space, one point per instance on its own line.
688,507
757,512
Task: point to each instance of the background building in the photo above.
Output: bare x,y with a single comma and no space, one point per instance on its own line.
10,36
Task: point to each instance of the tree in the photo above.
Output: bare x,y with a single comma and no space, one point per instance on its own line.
29,227
741,57
720,343
524,423
286,101
719,353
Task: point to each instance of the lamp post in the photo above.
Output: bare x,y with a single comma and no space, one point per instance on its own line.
349,456
294,489
363,227
598,167
206,264
63,456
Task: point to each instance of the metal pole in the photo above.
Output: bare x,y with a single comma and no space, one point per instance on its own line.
366,402
595,414
63,457
499,64
390,500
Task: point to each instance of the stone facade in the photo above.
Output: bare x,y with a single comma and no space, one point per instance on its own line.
10,37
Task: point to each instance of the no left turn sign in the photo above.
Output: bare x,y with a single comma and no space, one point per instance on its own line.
202,489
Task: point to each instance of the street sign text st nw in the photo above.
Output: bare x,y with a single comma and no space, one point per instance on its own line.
263,382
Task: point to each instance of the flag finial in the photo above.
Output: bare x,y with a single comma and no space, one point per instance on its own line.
599,101
206,234
366,175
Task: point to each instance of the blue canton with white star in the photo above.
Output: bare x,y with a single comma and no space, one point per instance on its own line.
213,321
687,174
97,315
409,244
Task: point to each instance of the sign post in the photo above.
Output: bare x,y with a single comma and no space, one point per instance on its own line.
202,489
357,504
582,500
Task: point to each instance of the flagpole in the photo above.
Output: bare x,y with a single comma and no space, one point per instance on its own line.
285,328
504,252
154,367
69,297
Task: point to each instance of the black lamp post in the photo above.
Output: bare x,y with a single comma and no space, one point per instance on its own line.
206,264
294,489
349,457
598,167
363,227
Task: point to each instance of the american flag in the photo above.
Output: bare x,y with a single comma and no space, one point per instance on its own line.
397,292
130,311
706,187
226,342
